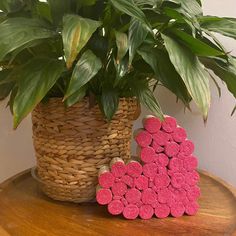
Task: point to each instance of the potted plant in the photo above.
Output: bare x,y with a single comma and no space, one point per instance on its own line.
82,67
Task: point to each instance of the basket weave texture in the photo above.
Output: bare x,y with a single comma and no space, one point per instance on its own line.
71,144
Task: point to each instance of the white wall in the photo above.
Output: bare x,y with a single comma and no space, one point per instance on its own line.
215,143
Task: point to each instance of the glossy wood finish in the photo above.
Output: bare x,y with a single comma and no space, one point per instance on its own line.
25,211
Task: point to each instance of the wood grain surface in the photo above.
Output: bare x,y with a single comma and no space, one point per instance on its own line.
26,211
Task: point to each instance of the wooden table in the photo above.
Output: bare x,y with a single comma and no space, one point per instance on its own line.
25,211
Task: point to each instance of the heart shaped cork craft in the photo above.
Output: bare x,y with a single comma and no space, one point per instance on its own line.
164,180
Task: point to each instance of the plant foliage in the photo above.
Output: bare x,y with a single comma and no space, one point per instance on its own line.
110,49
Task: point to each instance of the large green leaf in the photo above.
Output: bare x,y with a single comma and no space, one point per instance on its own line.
86,68
224,70
197,46
17,32
122,45
189,7
191,71
165,72
225,26
130,9
76,33
109,101
35,79
137,35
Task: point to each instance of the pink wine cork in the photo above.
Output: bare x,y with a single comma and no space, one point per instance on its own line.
191,208
162,159
149,196
164,195
133,195
139,204
150,170
187,147
147,154
117,197
160,138
105,177
162,180
103,196
118,167
131,212
180,156
177,180
192,178
162,170
171,149
175,164
177,210
124,201
193,193
134,169
128,180
146,212
190,163
143,138
141,182
158,148
115,207
179,194
179,135
162,211
151,124
119,189
169,124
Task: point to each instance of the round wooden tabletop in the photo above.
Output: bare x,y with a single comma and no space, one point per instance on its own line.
26,211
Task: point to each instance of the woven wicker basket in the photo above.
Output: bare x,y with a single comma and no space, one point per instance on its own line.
72,144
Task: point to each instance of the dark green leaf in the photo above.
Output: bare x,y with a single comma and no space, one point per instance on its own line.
165,72
5,84
9,6
58,9
86,68
224,70
109,102
130,9
76,97
35,79
195,45
137,35
43,10
146,97
225,26
17,32
191,7
192,72
76,33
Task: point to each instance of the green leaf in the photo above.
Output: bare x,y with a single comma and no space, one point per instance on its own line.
129,8
5,84
165,72
109,102
43,10
10,6
122,45
195,45
76,97
137,35
86,68
192,72
224,70
76,33
17,32
58,9
35,79
190,7
146,97
225,26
